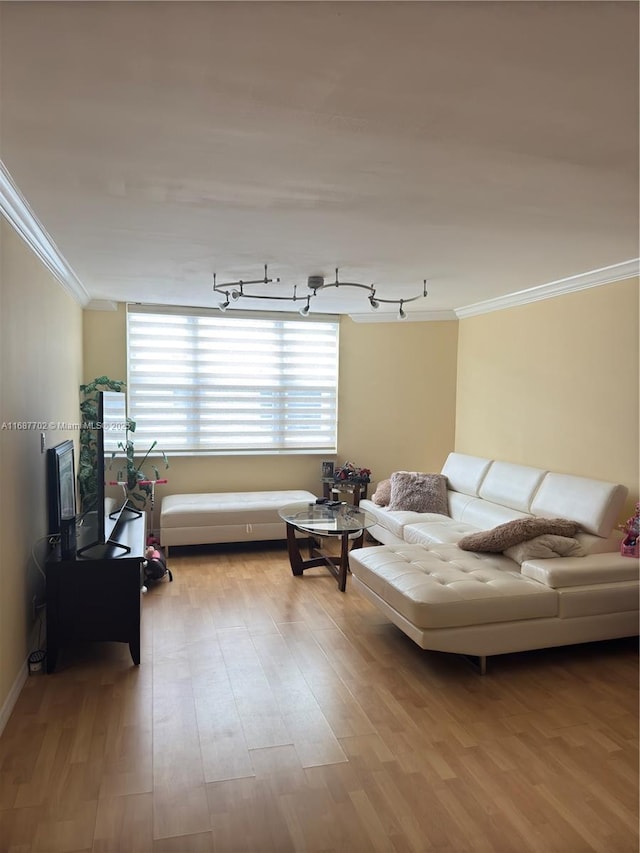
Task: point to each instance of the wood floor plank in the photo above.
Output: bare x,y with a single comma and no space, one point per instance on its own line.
124,823
246,815
258,709
342,711
223,746
54,754
180,811
275,714
177,758
18,829
201,842
62,833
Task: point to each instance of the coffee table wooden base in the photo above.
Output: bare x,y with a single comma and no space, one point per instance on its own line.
338,565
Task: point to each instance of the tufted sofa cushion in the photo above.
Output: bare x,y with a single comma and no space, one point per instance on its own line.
439,586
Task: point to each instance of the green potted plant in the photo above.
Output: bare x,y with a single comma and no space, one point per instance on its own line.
132,476
87,485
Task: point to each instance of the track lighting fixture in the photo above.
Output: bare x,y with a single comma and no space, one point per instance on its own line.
315,283
304,311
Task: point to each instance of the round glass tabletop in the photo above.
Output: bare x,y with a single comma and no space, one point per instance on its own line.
327,518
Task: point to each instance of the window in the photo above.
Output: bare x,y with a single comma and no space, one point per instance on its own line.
202,381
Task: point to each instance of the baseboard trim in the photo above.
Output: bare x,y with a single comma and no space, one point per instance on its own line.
9,703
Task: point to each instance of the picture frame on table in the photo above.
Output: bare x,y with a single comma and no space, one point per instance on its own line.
327,469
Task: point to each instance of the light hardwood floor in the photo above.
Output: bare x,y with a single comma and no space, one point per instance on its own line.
273,713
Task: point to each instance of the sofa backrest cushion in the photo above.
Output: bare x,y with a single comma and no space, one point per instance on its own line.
484,514
594,504
465,473
511,485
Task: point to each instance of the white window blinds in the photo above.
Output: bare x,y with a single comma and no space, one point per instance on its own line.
204,381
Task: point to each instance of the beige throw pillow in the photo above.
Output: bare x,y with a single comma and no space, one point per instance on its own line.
545,546
504,536
419,492
382,494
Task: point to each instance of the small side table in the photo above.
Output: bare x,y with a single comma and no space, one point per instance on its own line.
356,488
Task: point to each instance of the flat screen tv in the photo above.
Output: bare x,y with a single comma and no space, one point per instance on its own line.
61,497
110,438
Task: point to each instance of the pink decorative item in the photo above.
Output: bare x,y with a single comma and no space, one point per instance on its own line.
630,545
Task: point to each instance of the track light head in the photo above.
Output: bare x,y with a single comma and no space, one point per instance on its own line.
224,305
374,302
235,295
304,311
402,314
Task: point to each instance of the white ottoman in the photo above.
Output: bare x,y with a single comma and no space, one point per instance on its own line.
226,516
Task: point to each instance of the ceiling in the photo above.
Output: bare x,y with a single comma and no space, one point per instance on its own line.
486,147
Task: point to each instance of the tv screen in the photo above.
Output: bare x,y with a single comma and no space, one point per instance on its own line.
61,496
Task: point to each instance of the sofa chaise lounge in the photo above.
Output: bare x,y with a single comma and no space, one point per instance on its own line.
202,519
480,604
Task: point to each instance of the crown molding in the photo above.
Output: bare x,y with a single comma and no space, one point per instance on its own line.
582,281
412,317
15,209
102,305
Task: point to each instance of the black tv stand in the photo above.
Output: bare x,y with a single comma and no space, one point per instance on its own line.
97,598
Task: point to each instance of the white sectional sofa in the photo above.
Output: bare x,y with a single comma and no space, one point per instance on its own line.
481,604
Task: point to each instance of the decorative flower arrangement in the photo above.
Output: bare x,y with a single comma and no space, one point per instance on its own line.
631,528
350,472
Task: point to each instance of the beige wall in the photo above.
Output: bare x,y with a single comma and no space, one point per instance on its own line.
396,405
397,395
554,384
40,370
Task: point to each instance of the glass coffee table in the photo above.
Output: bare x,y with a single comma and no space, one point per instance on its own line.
324,520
